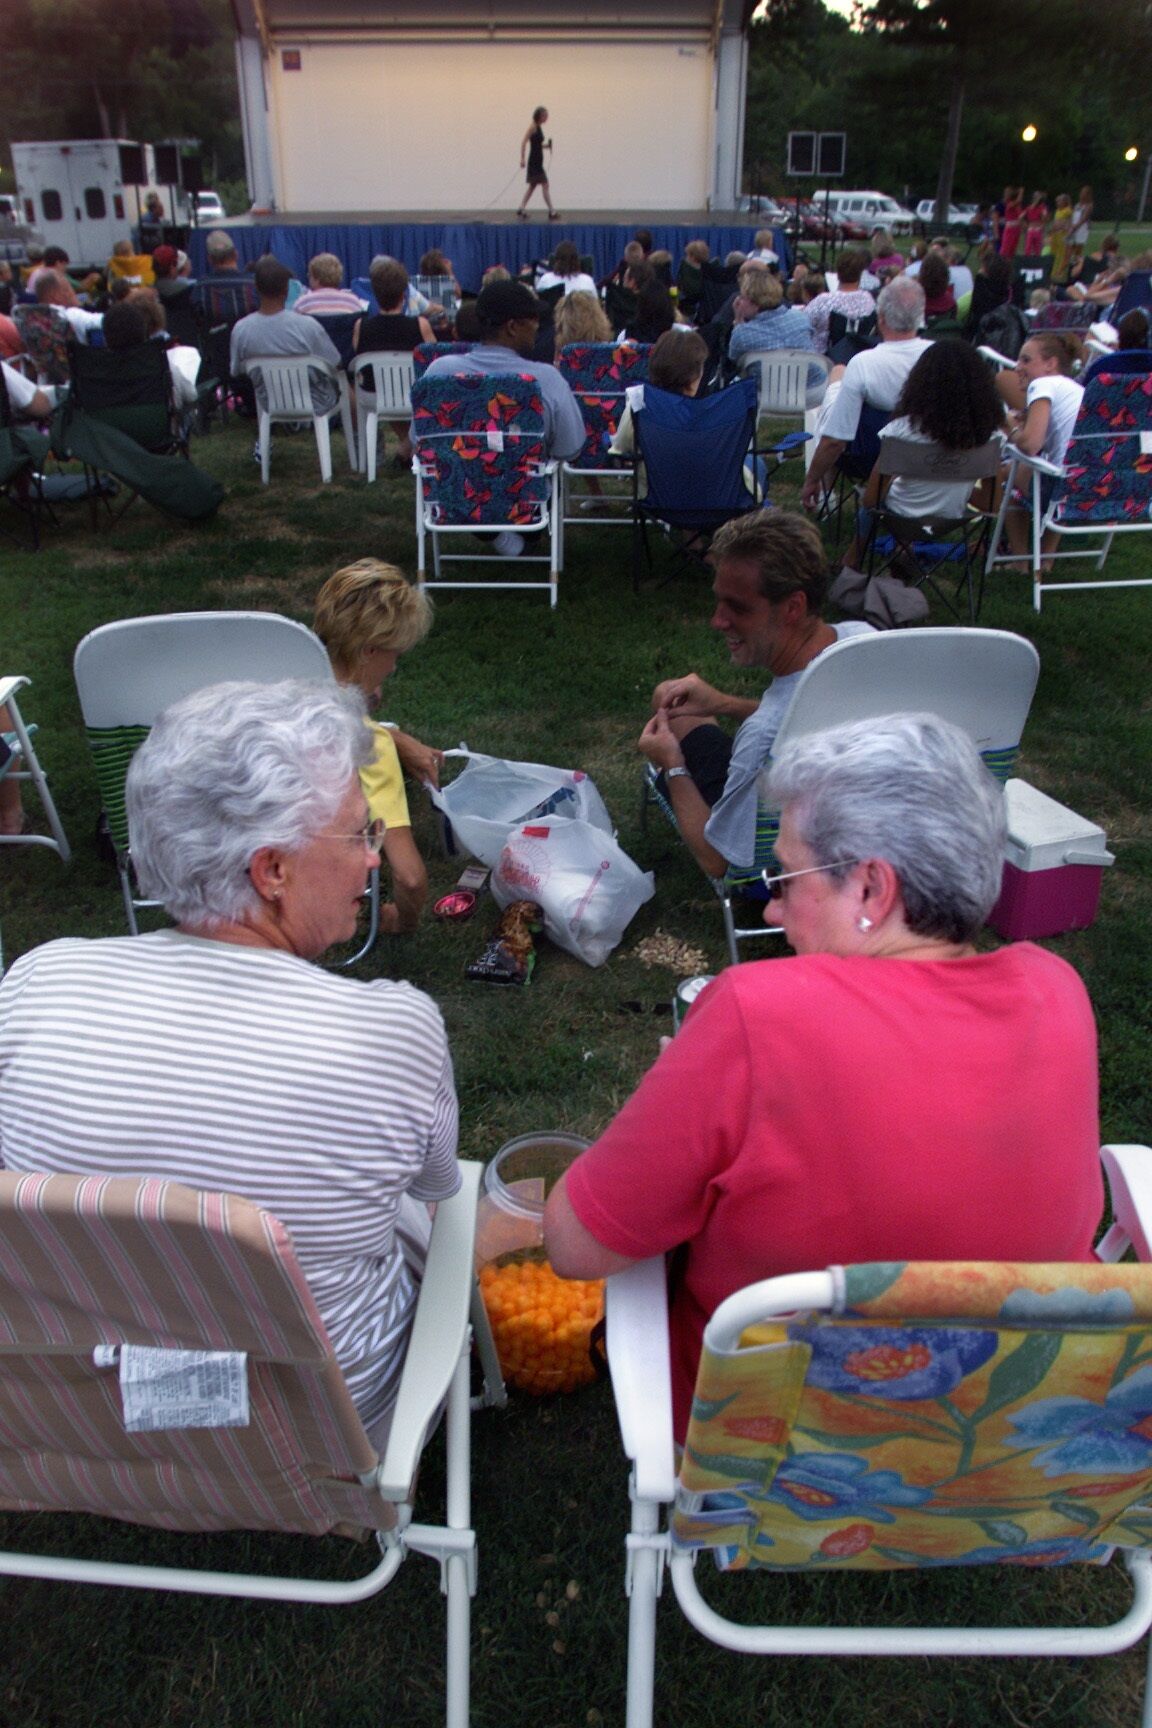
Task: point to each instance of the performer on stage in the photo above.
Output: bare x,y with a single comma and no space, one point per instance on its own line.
533,145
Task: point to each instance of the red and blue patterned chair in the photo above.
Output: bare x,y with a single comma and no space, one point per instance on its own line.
1103,489
599,374
424,354
482,469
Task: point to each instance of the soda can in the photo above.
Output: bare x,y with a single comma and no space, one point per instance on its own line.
685,994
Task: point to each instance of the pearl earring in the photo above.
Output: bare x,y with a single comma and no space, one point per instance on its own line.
864,924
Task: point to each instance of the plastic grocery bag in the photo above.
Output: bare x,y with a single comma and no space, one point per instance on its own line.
491,796
586,884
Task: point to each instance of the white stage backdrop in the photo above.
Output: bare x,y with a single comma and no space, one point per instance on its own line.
437,126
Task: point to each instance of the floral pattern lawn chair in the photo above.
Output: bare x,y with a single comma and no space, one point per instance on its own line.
482,469
896,1416
599,374
1103,489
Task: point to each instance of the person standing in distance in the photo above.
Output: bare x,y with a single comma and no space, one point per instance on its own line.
532,147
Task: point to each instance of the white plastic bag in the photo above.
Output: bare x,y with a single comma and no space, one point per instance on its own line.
588,887
491,796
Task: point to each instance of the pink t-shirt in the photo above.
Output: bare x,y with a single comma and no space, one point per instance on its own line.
821,1111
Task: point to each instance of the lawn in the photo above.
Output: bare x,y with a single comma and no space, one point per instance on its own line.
510,677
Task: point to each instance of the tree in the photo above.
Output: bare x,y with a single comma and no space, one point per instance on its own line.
142,69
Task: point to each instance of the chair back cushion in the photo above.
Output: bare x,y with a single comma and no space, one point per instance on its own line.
424,354
45,334
944,1414
598,374
693,450
130,389
87,1261
1107,469
480,444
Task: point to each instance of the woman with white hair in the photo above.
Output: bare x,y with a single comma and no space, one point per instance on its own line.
890,1093
217,1054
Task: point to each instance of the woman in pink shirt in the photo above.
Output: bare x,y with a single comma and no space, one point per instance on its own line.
890,1093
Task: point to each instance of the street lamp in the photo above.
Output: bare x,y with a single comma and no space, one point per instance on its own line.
1029,134
1131,153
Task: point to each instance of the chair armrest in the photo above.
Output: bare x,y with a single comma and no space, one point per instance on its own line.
636,1311
437,1337
1039,464
1129,1172
9,687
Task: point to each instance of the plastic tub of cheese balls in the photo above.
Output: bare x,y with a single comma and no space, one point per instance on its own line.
542,1324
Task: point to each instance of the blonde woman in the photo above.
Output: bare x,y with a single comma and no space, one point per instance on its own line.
367,615
581,318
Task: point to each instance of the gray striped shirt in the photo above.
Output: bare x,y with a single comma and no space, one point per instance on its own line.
252,1072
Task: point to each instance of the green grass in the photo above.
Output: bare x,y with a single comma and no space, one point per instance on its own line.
571,686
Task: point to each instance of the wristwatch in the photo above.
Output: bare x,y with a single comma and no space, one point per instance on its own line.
674,773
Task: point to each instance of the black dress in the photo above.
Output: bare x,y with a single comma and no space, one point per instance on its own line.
536,174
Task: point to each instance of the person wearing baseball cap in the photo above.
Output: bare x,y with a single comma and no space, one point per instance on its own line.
509,316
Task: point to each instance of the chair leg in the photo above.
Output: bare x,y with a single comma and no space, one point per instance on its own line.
457,1583
369,437
323,445
644,1568
264,433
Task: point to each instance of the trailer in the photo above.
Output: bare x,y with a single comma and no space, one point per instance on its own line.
84,194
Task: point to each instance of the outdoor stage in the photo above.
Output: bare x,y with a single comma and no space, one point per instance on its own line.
476,241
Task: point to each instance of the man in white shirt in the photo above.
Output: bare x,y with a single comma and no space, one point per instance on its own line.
875,378
24,397
54,289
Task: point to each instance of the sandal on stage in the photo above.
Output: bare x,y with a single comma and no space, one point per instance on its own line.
523,215
553,215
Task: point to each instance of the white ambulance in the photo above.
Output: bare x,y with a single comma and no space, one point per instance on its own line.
86,193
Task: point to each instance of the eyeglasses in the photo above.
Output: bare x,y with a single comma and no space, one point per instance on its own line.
371,835
775,884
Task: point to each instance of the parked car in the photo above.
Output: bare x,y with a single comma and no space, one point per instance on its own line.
869,210
958,214
208,208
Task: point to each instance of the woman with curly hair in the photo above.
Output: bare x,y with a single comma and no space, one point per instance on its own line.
949,399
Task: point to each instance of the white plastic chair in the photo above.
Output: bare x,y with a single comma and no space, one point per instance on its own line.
783,380
285,393
128,672
302,1461
19,741
392,375
638,1359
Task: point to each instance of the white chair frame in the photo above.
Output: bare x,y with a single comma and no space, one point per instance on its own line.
638,1358
24,752
1035,468
286,387
546,519
392,374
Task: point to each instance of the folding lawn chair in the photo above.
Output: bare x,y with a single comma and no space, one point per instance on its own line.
92,1269
130,671
425,352
925,549
847,480
1103,489
481,469
21,480
691,453
895,1416
980,680
284,392
46,334
19,761
598,374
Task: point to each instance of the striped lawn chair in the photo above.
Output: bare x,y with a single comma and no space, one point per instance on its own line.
981,680
94,1270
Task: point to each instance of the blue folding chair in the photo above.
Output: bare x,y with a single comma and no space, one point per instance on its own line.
689,476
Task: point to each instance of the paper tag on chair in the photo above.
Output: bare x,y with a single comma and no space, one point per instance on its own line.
1146,443
183,1388
495,440
634,396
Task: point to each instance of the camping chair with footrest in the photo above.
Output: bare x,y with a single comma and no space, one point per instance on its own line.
894,1416
92,1268
128,672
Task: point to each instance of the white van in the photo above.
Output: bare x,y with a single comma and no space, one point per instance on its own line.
869,209
75,192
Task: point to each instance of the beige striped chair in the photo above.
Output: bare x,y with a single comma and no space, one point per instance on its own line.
90,1265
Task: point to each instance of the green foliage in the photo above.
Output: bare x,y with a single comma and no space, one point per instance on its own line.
1075,70
143,69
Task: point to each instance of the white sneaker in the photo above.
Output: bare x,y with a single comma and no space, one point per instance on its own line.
508,544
